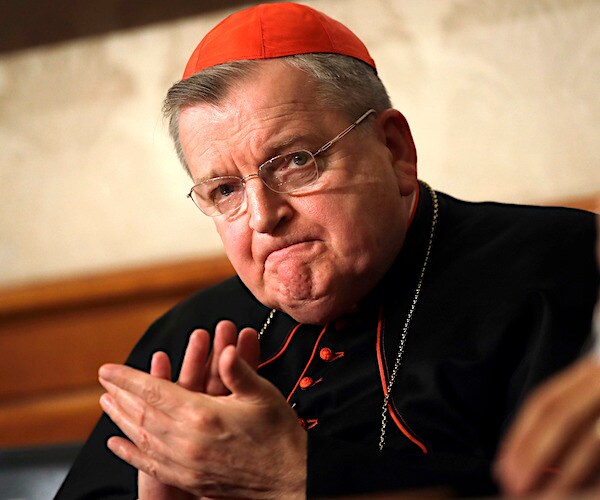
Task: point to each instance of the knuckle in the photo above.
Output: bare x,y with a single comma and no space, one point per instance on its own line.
151,394
194,480
205,420
140,415
542,403
143,441
152,469
552,407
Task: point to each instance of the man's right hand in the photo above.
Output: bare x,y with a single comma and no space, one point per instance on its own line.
199,372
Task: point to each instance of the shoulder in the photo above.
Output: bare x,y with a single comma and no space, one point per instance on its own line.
516,248
521,218
519,229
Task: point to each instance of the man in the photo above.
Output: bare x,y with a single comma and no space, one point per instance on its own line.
399,329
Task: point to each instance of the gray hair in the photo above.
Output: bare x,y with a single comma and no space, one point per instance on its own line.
343,83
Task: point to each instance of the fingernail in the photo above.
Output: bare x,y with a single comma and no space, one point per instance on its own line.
104,371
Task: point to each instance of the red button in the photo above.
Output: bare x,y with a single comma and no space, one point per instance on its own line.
302,423
306,382
326,354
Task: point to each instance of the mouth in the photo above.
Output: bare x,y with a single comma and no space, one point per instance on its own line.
289,250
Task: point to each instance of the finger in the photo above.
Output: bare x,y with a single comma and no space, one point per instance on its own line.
124,421
160,365
556,389
248,347
165,472
156,392
548,427
159,412
242,380
151,488
132,412
225,335
192,374
582,466
525,466
149,430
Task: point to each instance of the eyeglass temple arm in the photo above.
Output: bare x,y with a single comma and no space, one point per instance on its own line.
327,145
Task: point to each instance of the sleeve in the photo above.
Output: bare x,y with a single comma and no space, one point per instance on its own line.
97,472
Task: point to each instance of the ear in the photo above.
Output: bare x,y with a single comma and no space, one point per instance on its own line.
393,130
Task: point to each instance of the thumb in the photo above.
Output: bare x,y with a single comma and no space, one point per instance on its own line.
241,379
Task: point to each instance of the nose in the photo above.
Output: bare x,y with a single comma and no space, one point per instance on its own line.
266,208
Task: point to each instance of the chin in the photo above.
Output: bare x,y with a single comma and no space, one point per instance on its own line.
314,312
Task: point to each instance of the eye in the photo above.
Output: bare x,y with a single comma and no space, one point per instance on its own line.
299,159
222,192
289,172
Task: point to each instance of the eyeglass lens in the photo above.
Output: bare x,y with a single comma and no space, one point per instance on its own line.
282,174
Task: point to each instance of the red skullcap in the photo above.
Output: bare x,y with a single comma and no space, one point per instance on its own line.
274,30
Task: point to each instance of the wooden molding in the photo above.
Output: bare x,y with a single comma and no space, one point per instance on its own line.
116,286
591,203
55,335
54,419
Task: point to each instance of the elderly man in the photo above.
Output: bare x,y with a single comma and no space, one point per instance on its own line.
387,332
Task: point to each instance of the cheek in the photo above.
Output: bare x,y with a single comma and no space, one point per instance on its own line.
342,224
372,222
237,242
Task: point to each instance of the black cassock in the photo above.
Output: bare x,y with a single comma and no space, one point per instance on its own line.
506,301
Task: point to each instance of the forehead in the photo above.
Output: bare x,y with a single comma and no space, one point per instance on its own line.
270,110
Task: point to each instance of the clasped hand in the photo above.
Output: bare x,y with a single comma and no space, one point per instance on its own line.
220,431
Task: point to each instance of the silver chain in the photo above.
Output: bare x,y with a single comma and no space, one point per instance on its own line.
413,305
411,311
266,323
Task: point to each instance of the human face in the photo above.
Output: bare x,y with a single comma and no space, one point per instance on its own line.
312,255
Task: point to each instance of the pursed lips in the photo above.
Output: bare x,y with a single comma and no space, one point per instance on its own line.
283,248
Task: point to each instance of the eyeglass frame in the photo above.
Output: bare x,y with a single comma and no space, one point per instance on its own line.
243,179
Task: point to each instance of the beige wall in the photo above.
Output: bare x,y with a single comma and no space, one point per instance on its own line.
501,95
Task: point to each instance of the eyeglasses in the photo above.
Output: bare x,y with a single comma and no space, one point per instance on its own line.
288,173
